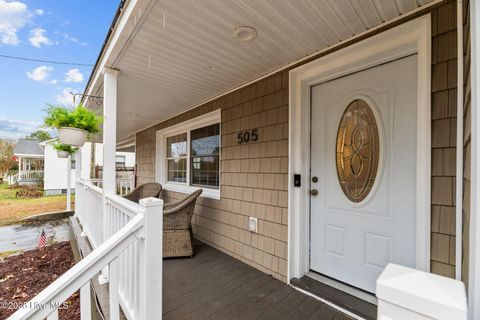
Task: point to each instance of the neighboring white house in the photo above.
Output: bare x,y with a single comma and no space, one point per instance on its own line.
29,155
122,159
55,178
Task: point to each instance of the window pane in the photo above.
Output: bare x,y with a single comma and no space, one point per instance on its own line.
120,161
177,146
177,170
205,171
206,141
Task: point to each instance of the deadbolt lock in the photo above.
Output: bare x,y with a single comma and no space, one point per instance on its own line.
314,179
314,192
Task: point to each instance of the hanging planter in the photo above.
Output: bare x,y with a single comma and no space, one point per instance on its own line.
72,136
63,150
62,154
74,125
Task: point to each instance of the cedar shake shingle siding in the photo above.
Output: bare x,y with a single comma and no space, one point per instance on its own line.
444,113
254,176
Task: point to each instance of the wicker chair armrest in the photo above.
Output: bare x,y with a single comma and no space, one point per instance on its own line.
167,206
178,206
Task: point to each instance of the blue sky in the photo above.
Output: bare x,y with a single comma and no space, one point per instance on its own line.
60,30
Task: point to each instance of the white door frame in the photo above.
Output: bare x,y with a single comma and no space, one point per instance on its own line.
474,240
413,37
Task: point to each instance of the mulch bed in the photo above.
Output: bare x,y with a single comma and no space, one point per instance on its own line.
25,275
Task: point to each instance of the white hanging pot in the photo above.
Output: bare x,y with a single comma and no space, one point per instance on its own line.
62,154
72,136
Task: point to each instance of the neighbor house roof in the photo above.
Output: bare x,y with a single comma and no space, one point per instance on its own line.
28,147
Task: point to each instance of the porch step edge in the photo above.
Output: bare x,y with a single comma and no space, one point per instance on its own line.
339,298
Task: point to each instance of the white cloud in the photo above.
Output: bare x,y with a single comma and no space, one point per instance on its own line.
73,75
74,40
54,81
65,97
40,74
38,38
39,12
14,15
11,129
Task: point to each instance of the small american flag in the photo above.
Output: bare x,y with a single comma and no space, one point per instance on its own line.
42,240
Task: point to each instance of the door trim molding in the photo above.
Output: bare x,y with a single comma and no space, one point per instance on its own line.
413,37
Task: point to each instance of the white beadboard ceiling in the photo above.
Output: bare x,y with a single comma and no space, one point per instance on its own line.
184,53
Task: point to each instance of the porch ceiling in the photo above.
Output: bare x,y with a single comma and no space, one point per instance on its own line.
183,53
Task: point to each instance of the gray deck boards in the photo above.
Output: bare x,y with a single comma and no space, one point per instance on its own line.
213,285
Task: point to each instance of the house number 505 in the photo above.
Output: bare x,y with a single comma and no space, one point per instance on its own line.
247,136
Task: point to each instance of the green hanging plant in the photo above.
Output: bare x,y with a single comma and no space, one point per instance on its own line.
63,147
80,117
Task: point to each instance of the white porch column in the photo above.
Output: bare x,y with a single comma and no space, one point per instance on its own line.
109,129
69,183
78,176
109,148
19,167
474,241
78,164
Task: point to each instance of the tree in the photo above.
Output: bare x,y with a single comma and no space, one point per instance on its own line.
41,135
7,160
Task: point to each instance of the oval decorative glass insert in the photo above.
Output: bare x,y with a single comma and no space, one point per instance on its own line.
357,151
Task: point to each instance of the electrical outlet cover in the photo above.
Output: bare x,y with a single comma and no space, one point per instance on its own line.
252,224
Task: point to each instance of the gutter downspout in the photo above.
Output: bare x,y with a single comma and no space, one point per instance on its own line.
459,173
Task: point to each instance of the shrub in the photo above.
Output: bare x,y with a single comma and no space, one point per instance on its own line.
79,117
64,147
29,192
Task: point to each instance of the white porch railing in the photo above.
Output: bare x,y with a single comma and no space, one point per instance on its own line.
33,175
11,179
132,250
123,185
89,210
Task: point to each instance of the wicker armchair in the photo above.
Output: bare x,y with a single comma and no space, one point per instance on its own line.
146,190
177,227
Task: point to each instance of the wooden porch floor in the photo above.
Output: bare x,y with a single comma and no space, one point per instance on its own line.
213,285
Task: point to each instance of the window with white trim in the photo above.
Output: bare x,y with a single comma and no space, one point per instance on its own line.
193,157
189,156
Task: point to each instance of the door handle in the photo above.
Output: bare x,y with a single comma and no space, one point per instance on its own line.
314,192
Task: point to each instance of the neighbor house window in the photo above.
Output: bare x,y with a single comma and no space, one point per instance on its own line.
120,161
189,156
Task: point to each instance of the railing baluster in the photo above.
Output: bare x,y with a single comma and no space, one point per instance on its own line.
85,302
113,290
136,295
53,315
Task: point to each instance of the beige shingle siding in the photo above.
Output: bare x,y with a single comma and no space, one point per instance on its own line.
466,139
444,113
254,176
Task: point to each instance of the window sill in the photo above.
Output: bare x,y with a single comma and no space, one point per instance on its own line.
207,192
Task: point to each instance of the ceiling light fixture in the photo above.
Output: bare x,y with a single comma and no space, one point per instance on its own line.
245,34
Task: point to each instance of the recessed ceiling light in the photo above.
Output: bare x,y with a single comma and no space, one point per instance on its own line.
245,34
132,114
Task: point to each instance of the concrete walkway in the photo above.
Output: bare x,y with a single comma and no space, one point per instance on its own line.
25,237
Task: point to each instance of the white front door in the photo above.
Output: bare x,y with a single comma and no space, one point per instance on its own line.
363,167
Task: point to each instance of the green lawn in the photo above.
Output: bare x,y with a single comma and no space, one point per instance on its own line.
12,209
6,193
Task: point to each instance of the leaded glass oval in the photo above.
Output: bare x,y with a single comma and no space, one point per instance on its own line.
357,150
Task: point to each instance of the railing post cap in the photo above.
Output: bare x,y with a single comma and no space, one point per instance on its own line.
151,202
